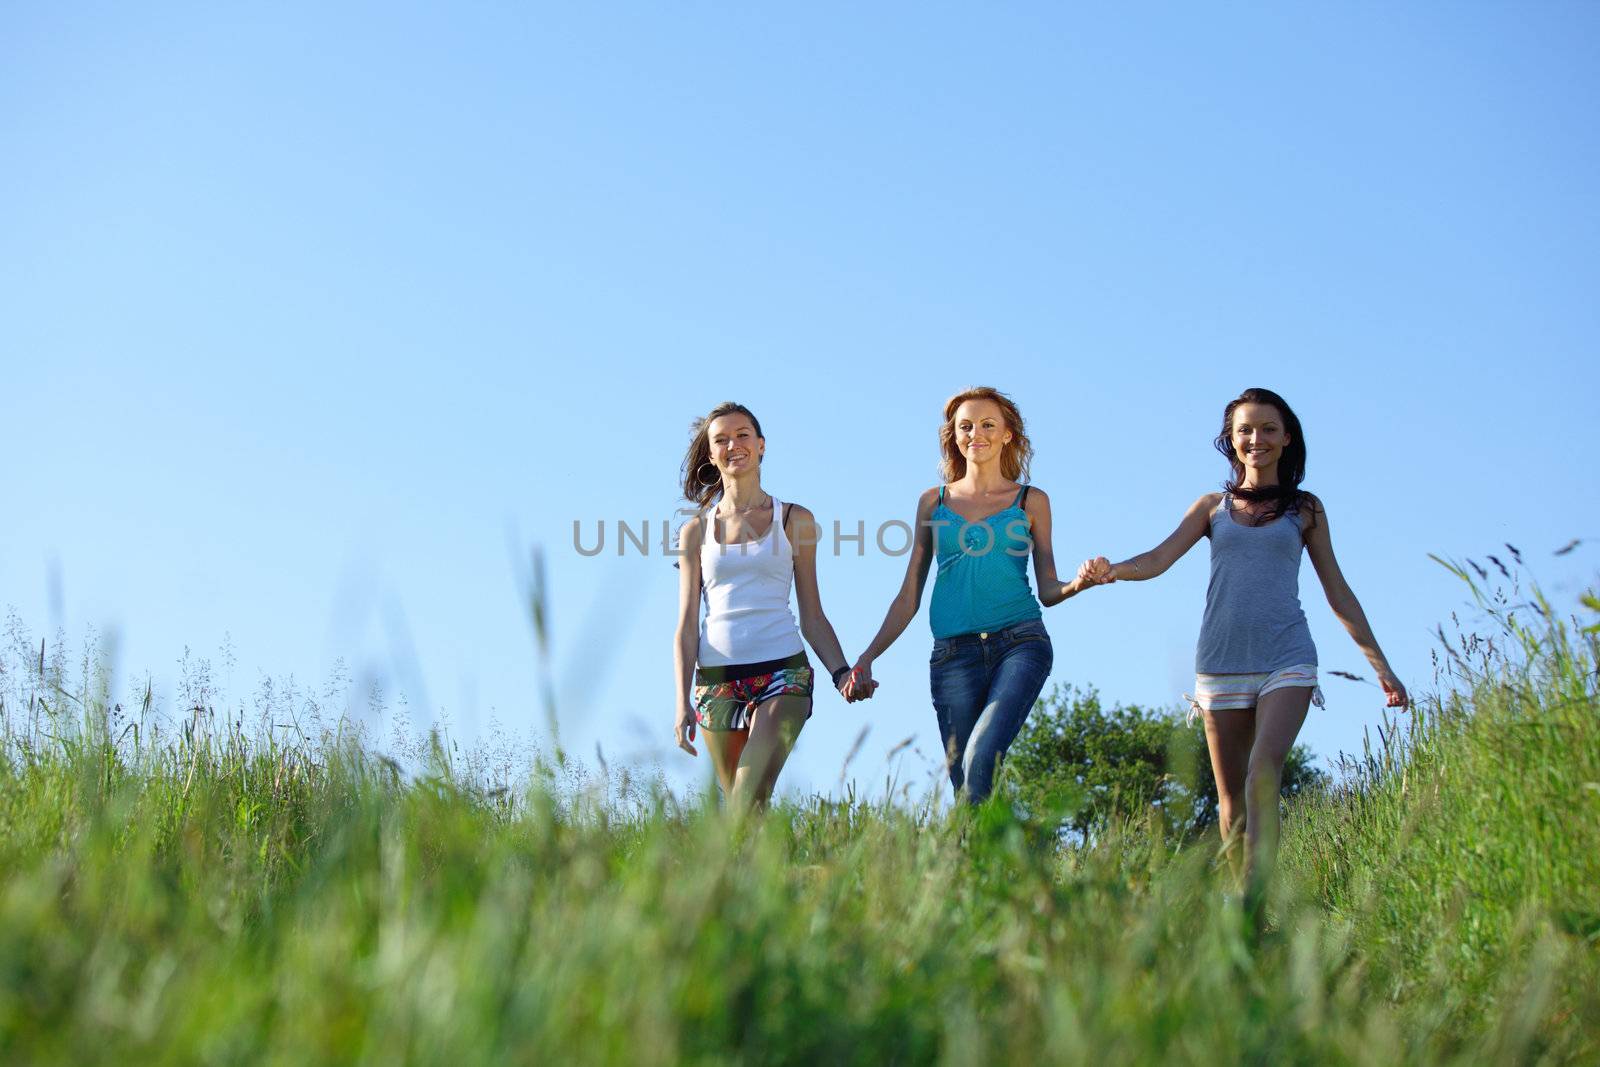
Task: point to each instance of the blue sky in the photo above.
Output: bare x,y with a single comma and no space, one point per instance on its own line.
313,321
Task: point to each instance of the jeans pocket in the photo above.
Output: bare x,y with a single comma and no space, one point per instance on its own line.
1034,649
942,654
1024,632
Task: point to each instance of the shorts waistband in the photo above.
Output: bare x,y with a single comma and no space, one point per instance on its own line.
1236,692
732,672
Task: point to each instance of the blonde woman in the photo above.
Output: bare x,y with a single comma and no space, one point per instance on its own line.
991,652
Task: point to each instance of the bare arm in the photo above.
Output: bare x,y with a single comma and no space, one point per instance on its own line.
1193,526
1342,599
903,608
1052,590
804,535
686,640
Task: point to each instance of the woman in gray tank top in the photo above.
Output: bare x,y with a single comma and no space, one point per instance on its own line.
1255,664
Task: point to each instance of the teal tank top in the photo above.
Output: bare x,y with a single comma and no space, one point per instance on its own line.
982,582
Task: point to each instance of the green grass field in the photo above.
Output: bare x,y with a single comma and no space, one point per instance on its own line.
220,895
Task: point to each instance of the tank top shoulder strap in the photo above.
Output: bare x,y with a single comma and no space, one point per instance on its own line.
782,544
1022,497
1219,512
776,532
941,494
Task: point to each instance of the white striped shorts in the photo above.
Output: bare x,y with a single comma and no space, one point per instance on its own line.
1235,692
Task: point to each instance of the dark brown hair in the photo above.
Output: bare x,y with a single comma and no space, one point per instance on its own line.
1014,456
698,457
1287,495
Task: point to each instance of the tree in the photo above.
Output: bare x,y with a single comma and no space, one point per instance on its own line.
1082,764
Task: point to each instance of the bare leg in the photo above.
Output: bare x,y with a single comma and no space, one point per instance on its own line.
1279,716
1229,735
725,747
773,730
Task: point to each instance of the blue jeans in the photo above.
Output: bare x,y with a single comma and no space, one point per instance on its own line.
984,685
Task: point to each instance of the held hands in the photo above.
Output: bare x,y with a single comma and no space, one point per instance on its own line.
1096,571
858,684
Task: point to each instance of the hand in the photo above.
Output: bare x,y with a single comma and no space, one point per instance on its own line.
1393,690
858,683
1096,571
683,729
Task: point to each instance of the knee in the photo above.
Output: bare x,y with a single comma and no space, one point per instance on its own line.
979,769
1261,782
976,789
1230,814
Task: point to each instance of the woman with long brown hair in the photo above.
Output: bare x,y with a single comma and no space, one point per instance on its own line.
991,652
742,673
1255,664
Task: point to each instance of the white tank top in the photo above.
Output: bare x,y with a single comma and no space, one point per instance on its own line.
746,589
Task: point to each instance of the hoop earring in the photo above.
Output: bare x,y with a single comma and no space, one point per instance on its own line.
699,474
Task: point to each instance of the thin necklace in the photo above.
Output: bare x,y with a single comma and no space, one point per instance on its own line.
747,507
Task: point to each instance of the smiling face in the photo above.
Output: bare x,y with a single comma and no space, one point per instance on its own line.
735,447
980,430
1259,437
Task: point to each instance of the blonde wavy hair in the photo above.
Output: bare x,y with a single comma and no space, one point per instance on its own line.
1015,455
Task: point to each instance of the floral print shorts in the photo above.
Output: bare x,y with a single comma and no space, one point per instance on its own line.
725,698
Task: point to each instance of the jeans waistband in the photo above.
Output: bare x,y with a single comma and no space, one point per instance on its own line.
1025,628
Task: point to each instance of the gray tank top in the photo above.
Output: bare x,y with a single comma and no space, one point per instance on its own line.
1253,622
